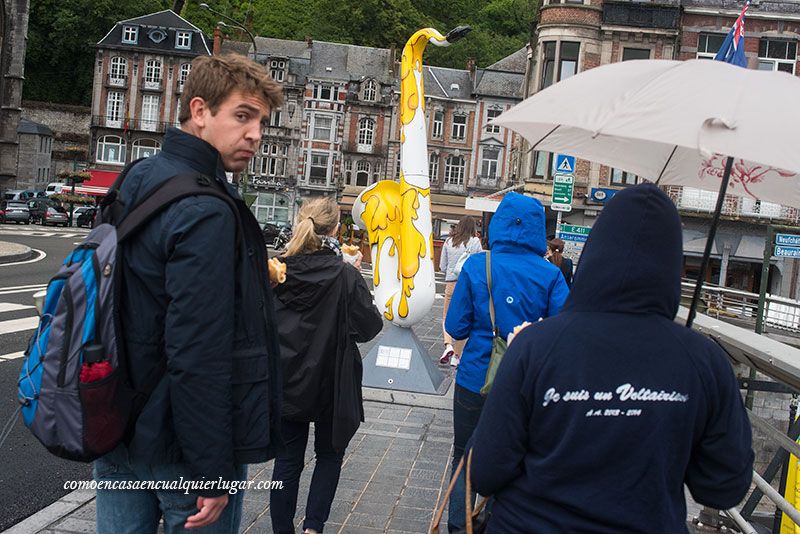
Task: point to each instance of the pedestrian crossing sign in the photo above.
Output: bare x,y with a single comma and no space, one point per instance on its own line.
565,164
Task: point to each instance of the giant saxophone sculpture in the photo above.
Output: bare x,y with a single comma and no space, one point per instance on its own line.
397,215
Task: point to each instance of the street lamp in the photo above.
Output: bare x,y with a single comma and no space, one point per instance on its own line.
232,24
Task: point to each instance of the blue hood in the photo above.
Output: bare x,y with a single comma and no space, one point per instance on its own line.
633,258
518,222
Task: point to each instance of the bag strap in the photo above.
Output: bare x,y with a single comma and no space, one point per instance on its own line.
471,515
446,497
489,284
176,188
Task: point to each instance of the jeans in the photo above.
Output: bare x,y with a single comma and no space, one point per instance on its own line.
137,511
289,466
467,408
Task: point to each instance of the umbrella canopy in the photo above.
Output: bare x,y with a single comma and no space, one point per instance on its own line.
675,122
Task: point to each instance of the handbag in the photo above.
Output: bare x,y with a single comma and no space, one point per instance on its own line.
499,345
478,519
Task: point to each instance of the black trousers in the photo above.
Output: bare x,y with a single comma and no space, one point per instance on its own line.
289,466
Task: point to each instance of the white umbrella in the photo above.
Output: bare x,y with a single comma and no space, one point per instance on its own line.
678,123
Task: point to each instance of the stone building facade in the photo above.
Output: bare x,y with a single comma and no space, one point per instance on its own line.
35,145
13,29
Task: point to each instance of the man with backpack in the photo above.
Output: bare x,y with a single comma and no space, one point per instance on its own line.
197,317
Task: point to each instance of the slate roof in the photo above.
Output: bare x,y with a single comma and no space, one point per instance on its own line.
350,62
439,82
169,22
235,47
34,128
515,62
500,84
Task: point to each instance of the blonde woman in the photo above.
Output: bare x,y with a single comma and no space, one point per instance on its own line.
324,307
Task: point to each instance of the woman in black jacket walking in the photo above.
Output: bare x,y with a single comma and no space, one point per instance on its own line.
324,307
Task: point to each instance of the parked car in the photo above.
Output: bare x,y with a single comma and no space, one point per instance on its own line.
54,188
15,211
270,231
86,217
54,217
38,207
18,194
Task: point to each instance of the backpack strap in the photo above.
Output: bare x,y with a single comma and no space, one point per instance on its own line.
489,284
112,206
178,187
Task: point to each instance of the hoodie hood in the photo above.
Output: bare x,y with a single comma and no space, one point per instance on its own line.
632,260
518,223
308,278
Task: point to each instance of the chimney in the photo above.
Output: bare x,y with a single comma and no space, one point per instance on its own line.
309,41
471,69
217,42
392,54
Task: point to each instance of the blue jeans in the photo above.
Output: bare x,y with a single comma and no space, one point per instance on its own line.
467,407
289,466
139,511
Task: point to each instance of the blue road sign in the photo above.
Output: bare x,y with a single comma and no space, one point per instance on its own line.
787,239
565,164
787,252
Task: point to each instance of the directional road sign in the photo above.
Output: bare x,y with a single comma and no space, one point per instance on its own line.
561,199
787,252
571,232
787,239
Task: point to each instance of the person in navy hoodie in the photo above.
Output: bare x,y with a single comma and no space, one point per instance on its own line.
525,287
599,416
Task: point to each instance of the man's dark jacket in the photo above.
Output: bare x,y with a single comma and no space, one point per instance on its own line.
190,296
600,415
325,307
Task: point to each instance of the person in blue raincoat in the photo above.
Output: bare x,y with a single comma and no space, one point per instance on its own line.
525,287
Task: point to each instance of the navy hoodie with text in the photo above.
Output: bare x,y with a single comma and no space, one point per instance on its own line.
600,415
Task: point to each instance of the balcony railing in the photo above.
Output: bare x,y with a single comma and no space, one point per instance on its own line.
151,85
641,15
454,188
487,180
690,199
114,121
115,80
361,148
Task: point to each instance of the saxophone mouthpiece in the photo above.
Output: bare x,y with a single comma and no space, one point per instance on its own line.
457,33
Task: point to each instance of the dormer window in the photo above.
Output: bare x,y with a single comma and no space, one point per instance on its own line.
183,40
370,91
130,34
277,68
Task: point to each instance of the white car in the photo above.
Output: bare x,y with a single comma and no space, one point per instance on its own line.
54,188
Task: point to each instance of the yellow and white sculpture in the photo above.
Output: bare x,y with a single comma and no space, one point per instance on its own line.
397,215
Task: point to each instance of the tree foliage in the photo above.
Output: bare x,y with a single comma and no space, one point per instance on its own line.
62,33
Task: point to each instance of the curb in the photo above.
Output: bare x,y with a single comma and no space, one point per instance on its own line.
20,256
55,512
407,398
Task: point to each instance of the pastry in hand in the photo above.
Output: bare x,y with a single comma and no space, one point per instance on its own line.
277,271
350,250
517,330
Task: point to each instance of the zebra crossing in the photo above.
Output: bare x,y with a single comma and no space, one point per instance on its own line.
71,233
18,318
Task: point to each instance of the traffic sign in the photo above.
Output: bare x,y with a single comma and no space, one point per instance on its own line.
787,252
571,232
787,239
565,164
561,199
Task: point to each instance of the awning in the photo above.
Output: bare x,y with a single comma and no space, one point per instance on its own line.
99,183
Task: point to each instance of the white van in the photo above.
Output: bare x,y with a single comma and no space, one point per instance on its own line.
54,188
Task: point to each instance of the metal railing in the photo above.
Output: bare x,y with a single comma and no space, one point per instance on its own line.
642,15
689,199
724,302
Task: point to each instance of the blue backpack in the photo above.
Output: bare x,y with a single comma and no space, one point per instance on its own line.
74,386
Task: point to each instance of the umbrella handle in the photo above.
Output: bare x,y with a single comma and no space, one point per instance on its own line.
712,232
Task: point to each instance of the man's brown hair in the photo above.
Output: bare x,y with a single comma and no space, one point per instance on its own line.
214,78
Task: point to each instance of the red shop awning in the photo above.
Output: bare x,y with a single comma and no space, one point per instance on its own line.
99,184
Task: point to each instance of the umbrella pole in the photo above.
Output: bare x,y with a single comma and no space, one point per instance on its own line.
712,232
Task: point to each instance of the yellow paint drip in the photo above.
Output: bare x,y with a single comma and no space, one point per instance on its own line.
390,209
411,61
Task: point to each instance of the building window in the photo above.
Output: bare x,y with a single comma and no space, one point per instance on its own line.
492,114
150,108
559,62
274,161
777,55
433,167
119,71
459,127
183,40
144,148
708,44
324,92
370,90
318,169
183,74
111,149
438,124
271,207
362,173
130,35
366,131
152,72
398,168
323,126
489,162
277,68
542,165
275,118
178,114
620,177
115,103
454,170
635,53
